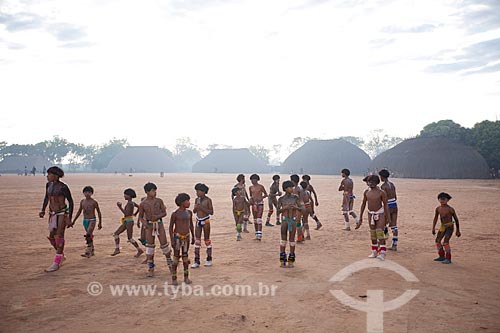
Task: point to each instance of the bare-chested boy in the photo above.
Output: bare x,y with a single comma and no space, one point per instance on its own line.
377,208
297,190
257,195
389,188
315,201
203,209
289,206
151,212
448,218
308,203
60,213
127,222
240,185
347,187
240,205
181,226
89,206
274,193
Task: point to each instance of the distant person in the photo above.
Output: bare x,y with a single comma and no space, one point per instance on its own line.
311,189
240,206
127,222
274,193
448,218
289,206
257,195
180,228
89,206
377,208
297,190
347,187
25,170
152,210
241,186
33,171
203,208
44,170
389,188
60,213
308,203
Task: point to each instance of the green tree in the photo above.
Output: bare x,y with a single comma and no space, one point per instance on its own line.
56,149
446,128
357,141
379,141
260,152
105,154
485,137
186,153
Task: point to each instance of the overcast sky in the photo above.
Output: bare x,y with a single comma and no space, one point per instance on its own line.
243,73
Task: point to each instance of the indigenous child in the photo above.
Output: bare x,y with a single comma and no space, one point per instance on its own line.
241,186
389,188
308,203
127,222
289,206
315,202
347,187
448,217
240,204
60,213
297,190
203,209
181,225
89,206
151,212
377,206
257,195
274,193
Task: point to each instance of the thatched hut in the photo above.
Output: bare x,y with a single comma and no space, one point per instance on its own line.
327,157
432,158
142,159
16,164
230,161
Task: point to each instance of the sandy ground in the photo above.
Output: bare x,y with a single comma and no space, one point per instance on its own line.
462,297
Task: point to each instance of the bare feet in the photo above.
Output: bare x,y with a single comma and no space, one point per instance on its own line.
151,272
52,268
139,252
187,280
115,253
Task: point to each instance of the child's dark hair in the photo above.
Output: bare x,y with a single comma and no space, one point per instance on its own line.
374,179
56,171
201,187
295,178
346,172
384,173
303,184
276,177
88,189
181,197
444,195
235,191
149,186
255,176
306,178
240,177
130,192
287,184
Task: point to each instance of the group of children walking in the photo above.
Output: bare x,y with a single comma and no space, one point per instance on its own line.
293,204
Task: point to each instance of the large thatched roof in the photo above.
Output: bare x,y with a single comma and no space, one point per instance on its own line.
13,164
230,161
142,159
327,157
432,158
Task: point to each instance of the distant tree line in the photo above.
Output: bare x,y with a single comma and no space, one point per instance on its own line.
484,136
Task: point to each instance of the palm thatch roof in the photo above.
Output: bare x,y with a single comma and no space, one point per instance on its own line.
230,161
327,157
432,158
142,159
14,164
